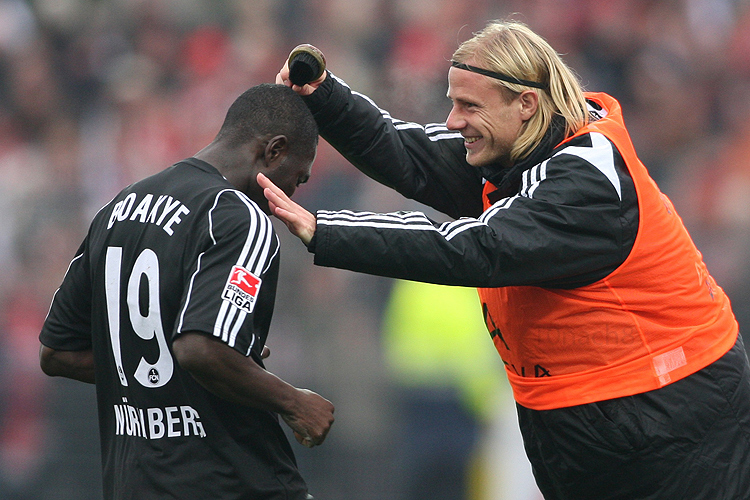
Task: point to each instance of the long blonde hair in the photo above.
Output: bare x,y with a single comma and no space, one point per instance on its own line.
513,49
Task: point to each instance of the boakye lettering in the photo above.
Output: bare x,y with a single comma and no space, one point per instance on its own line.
163,206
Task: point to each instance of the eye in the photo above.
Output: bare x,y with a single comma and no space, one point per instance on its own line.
465,105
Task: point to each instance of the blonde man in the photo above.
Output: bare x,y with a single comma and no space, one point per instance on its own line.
623,353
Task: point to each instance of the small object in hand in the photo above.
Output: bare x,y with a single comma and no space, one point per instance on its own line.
306,64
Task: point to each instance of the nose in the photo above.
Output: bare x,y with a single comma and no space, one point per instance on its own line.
454,120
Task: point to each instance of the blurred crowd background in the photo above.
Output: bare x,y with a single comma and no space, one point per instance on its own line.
96,94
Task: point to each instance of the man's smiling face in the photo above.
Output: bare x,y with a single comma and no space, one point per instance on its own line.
489,123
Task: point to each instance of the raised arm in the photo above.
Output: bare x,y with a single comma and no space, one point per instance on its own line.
425,163
547,235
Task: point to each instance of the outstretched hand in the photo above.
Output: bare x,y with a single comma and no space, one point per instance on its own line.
300,222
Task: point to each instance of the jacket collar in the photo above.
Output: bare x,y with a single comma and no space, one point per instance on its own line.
508,179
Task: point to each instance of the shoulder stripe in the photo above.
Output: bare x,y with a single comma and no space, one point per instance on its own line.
395,217
452,229
254,257
397,220
432,128
66,274
270,260
449,135
258,251
532,177
435,131
408,221
600,155
189,293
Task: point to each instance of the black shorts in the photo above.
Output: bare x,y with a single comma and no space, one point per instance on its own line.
688,440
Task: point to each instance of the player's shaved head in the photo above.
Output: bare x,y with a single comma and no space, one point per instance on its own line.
268,110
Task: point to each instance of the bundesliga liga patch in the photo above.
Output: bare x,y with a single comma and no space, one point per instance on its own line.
242,289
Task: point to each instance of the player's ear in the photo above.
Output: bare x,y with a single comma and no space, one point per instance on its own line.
275,150
529,102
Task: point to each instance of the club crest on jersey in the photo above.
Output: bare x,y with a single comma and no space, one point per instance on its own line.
242,289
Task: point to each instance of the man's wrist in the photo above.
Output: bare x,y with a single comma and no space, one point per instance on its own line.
311,243
318,99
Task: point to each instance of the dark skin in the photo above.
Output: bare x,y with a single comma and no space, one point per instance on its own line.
216,366
270,156
78,365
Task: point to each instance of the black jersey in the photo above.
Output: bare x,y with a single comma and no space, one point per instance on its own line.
179,251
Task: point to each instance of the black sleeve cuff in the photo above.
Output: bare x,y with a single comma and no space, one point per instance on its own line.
311,245
328,102
319,99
